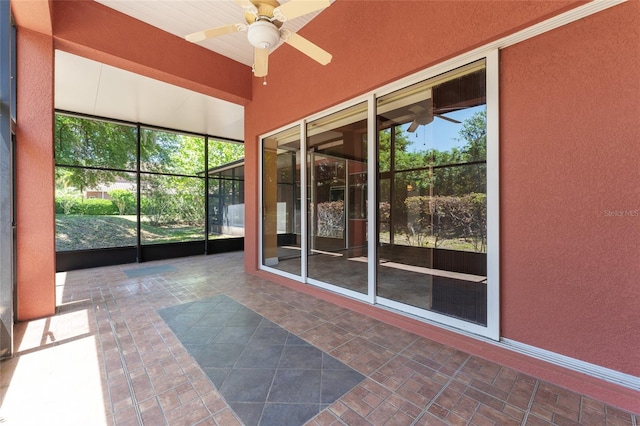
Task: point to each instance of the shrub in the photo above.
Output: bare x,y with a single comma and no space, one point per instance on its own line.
447,217
124,200
80,206
65,204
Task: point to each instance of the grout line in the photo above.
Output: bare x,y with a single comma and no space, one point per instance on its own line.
531,399
124,366
441,391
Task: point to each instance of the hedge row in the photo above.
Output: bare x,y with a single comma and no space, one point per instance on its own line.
89,206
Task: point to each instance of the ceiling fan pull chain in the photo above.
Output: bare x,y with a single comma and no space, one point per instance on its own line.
264,82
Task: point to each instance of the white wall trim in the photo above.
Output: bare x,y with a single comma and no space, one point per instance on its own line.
593,370
573,364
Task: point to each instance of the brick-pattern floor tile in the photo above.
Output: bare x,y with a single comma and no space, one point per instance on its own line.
327,337
143,375
558,404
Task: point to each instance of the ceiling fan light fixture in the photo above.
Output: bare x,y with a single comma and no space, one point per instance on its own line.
263,34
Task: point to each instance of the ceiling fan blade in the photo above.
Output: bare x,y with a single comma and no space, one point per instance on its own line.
413,127
247,6
447,118
294,8
305,46
260,62
215,32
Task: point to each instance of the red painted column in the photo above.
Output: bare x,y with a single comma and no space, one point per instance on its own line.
35,215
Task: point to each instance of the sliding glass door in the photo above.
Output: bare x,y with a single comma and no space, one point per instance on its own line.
337,199
433,252
432,185
281,221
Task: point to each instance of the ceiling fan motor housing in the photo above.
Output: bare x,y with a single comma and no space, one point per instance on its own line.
263,34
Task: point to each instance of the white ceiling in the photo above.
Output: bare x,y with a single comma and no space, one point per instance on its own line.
189,16
89,87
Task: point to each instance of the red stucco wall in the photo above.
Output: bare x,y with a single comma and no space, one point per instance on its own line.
570,164
569,123
408,37
35,216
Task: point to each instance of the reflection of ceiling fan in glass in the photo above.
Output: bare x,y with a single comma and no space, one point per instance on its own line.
423,114
263,21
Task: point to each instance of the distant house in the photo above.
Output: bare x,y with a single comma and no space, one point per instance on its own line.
102,191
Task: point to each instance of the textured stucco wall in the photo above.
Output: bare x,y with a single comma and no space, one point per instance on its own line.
35,216
569,135
373,43
570,174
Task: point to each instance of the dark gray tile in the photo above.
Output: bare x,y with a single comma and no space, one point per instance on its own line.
301,386
247,385
199,307
269,336
244,318
217,375
217,318
149,270
198,335
295,340
249,412
330,363
185,319
220,355
169,312
263,356
237,335
301,357
336,383
266,323
267,375
288,414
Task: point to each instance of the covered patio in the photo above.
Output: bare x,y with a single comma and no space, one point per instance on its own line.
109,358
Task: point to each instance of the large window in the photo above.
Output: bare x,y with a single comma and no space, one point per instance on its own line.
96,187
171,187
435,156
432,183
122,185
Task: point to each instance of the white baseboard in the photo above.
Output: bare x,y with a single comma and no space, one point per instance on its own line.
606,374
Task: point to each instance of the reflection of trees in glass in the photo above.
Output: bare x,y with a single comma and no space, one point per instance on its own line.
435,219
453,181
439,195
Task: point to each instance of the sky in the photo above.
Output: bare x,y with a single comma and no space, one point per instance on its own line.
441,134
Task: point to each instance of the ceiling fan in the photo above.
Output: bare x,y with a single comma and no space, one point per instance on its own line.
423,115
264,19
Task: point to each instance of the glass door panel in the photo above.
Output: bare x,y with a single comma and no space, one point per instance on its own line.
432,195
281,230
337,199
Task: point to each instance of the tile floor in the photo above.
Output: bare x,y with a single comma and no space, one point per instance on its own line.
109,358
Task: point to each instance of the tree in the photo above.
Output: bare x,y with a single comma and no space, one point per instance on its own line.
222,152
90,143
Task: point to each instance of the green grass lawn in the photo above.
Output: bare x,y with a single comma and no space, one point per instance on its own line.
77,232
